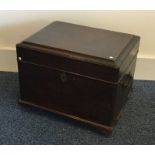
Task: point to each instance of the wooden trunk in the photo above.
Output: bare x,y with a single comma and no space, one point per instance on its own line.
77,71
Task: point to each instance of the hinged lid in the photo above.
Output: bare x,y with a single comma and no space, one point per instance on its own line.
98,46
85,40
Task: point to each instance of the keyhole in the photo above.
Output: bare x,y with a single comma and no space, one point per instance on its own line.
63,77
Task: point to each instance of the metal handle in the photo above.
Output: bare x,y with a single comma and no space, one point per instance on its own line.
126,81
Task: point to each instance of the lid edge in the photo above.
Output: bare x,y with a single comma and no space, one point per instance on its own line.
71,54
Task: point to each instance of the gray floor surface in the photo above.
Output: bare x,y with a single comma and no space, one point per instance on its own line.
26,125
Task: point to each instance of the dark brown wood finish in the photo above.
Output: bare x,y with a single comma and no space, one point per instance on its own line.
67,69
81,39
